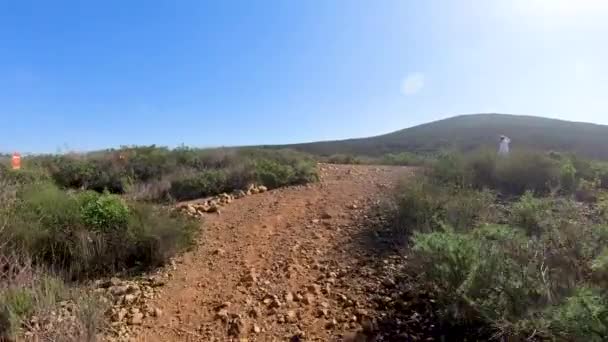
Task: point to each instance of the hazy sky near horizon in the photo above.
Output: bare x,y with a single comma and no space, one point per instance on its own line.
84,75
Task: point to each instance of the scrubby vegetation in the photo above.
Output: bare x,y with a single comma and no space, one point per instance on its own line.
69,218
466,133
401,158
157,173
514,248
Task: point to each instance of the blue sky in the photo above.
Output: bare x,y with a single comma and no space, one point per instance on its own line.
83,75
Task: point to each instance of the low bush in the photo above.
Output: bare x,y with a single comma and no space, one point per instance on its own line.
526,171
524,265
198,185
27,291
529,213
157,173
582,317
402,158
426,206
89,233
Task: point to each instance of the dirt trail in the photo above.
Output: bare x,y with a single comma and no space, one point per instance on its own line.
274,266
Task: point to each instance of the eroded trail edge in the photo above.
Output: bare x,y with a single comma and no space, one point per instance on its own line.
275,266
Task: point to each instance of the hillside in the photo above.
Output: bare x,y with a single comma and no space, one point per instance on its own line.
468,132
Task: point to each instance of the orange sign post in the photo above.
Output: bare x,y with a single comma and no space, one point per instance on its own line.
16,161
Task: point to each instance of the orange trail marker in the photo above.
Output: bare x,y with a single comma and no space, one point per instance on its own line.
16,161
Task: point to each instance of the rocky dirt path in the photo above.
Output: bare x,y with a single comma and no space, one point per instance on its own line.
276,266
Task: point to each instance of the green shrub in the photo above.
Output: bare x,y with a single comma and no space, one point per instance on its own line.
568,179
273,174
426,206
481,169
582,317
343,159
158,234
488,274
450,169
419,203
88,233
20,299
402,158
530,212
463,209
447,257
202,184
526,171
103,213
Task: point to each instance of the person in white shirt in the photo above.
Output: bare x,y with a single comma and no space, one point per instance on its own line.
503,147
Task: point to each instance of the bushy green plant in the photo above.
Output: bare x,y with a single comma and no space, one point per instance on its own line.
526,171
198,185
582,317
450,169
19,299
568,179
104,212
90,233
530,212
447,257
402,158
462,209
343,159
481,169
418,205
141,167
273,174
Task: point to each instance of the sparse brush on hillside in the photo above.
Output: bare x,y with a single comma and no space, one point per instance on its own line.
524,265
466,133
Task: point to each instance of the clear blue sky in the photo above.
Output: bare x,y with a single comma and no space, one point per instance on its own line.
93,74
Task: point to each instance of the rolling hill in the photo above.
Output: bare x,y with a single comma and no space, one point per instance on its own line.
467,132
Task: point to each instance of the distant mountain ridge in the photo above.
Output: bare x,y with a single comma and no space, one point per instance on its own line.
467,132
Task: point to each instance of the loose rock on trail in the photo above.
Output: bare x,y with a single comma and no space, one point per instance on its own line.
275,266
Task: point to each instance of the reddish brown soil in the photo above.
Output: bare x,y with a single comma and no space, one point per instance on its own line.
277,243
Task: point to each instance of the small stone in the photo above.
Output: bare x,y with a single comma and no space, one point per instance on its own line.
255,312
289,297
331,324
291,316
136,319
119,290
325,215
308,299
129,299
315,221
250,277
157,312
361,312
219,251
235,327
315,289
119,315
222,314
262,188
256,328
